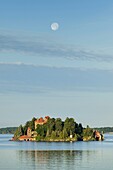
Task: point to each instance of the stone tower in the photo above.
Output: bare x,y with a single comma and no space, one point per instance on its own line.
29,132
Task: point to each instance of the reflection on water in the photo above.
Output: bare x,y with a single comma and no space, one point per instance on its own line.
54,159
56,156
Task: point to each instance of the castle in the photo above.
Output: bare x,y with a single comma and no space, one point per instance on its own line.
31,135
41,121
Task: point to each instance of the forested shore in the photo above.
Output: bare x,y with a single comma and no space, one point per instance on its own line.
55,129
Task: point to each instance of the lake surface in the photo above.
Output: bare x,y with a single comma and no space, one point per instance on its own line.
56,155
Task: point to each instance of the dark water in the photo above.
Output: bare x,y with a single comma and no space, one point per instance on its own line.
56,155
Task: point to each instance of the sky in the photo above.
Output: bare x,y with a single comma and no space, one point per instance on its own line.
62,73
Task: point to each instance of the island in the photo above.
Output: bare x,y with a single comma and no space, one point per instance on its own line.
55,130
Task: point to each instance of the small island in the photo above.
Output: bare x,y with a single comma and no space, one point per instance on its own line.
55,130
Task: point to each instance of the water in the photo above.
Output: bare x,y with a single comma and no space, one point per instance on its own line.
56,155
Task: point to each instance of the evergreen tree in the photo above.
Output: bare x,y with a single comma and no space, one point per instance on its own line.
69,126
58,126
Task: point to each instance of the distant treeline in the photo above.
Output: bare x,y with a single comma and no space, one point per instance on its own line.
104,129
8,130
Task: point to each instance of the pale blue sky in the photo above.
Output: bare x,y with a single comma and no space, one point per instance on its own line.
68,72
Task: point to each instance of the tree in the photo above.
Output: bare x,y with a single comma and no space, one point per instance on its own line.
50,126
87,133
80,129
69,126
32,124
41,130
26,127
19,132
65,134
53,134
58,126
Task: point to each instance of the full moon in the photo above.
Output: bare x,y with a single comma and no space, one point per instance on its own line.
54,26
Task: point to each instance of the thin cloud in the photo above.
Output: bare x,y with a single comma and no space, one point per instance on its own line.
42,48
22,78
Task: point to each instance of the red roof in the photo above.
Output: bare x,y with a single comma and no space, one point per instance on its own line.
24,137
42,121
47,117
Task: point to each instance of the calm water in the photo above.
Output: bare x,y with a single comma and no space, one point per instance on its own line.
56,155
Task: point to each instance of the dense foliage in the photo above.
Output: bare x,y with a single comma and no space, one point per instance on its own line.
88,134
57,130
22,130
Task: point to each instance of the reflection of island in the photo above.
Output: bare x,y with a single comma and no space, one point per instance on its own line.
51,129
55,159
